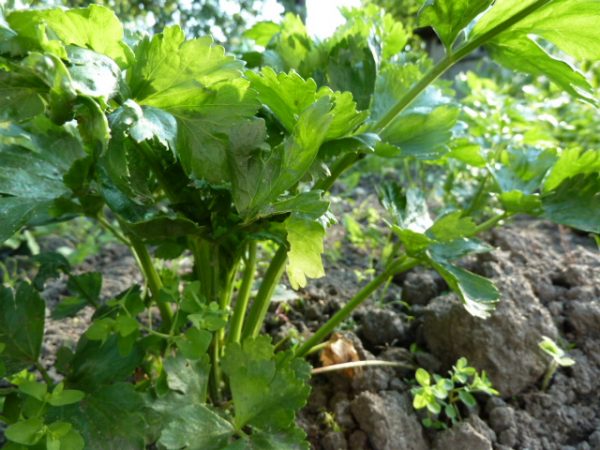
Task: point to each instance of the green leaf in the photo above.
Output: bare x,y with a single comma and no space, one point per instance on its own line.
519,202
145,124
21,326
52,264
452,226
25,432
34,162
306,204
63,397
196,427
571,162
34,389
20,94
351,66
305,237
111,417
194,343
567,24
575,202
187,421
202,88
93,74
94,27
449,17
260,179
95,363
467,398
68,307
407,207
478,294
88,285
266,390
523,169
289,95
423,377
422,130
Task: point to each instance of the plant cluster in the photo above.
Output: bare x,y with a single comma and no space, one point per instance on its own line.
441,397
176,148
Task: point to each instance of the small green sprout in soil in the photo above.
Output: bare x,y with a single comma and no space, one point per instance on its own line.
441,397
559,359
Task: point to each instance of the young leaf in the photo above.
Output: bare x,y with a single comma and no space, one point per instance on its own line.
21,326
26,432
289,95
423,377
305,237
571,162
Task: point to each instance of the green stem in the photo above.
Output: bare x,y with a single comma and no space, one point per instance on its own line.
243,297
548,376
104,223
45,375
153,279
216,378
263,297
449,60
491,223
401,264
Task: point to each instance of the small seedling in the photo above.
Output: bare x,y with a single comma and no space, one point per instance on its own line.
559,359
441,397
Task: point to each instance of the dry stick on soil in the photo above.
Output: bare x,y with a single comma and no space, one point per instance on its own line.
356,364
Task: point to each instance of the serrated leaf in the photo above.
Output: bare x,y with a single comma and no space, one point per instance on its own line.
34,162
110,417
194,343
145,124
202,88
351,66
478,294
267,390
522,169
95,363
288,95
571,162
567,24
423,129
449,17
305,237
519,202
259,179
88,285
188,422
452,226
575,202
94,27
21,326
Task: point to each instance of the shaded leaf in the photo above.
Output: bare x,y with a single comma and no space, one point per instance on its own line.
21,326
